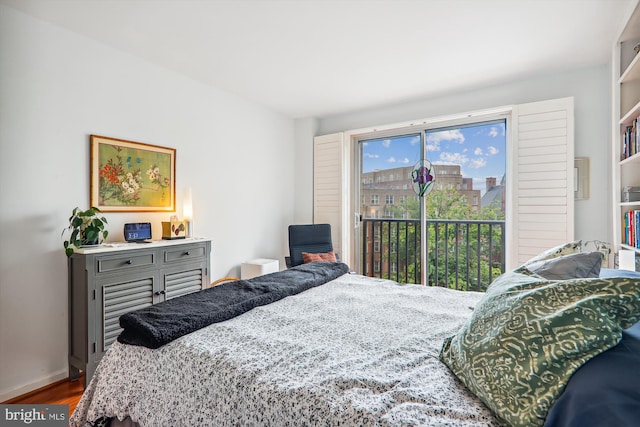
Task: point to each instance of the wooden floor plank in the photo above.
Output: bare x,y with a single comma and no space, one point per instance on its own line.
63,392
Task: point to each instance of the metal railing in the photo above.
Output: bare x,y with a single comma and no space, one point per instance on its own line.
461,254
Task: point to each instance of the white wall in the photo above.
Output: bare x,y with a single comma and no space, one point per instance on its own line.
304,128
57,88
591,89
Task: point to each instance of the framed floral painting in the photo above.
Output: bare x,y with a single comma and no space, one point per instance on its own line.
129,176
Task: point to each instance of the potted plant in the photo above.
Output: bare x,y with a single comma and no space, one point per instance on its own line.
86,228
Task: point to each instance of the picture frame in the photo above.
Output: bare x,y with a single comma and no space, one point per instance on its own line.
129,176
581,178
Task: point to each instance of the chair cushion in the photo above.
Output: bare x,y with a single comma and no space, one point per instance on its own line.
327,256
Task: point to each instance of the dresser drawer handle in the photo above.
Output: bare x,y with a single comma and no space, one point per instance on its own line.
187,253
129,262
156,293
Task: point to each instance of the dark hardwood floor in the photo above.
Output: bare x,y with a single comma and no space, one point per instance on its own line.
63,392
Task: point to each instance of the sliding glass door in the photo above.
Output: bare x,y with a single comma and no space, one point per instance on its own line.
389,208
464,216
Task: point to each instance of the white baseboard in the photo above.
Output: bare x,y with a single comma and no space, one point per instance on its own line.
49,379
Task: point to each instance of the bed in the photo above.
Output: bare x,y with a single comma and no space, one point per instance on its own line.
353,351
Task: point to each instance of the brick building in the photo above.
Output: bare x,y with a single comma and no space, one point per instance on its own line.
382,192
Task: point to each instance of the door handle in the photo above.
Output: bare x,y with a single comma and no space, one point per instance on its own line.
358,220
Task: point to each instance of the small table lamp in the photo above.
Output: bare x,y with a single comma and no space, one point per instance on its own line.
187,211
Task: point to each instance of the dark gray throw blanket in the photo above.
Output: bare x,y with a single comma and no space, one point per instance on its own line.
162,323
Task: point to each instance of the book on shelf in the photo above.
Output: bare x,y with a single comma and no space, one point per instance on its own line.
631,228
631,140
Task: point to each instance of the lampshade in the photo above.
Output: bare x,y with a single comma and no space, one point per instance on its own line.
187,211
187,204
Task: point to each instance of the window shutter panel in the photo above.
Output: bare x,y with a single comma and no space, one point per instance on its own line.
543,162
329,188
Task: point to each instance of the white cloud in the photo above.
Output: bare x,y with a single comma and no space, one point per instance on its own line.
371,156
394,160
386,143
445,135
433,147
493,132
415,140
492,150
478,151
457,158
477,163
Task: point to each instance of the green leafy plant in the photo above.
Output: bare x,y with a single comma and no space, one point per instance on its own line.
86,228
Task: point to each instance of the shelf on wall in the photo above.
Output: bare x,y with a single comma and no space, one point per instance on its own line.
632,72
628,118
631,248
631,159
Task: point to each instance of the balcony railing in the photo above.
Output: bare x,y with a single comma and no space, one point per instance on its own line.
461,254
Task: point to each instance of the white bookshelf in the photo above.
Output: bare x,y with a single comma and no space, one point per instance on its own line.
626,108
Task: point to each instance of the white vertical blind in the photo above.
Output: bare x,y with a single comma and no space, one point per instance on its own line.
543,183
329,185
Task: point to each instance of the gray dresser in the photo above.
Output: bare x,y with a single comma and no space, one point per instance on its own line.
110,280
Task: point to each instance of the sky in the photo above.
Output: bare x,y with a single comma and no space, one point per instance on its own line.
480,150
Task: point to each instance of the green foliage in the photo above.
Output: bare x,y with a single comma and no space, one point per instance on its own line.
85,228
476,262
446,204
473,266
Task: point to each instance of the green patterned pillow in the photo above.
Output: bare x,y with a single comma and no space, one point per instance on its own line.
528,335
558,251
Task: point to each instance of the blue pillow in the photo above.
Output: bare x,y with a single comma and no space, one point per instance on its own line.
604,391
572,266
605,273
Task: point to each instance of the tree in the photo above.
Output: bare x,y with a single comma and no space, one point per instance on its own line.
448,216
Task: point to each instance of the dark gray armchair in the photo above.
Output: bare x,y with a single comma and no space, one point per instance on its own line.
311,238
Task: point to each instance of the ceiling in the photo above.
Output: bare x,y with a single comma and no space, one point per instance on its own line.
315,58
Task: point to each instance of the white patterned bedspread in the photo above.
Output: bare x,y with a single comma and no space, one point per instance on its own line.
355,351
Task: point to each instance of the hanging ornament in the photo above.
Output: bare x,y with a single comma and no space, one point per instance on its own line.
422,178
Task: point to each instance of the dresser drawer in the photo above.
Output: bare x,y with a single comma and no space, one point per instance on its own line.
124,262
184,253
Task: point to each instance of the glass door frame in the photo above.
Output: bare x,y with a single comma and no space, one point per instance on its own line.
356,137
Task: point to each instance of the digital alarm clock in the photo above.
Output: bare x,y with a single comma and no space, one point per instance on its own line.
138,232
